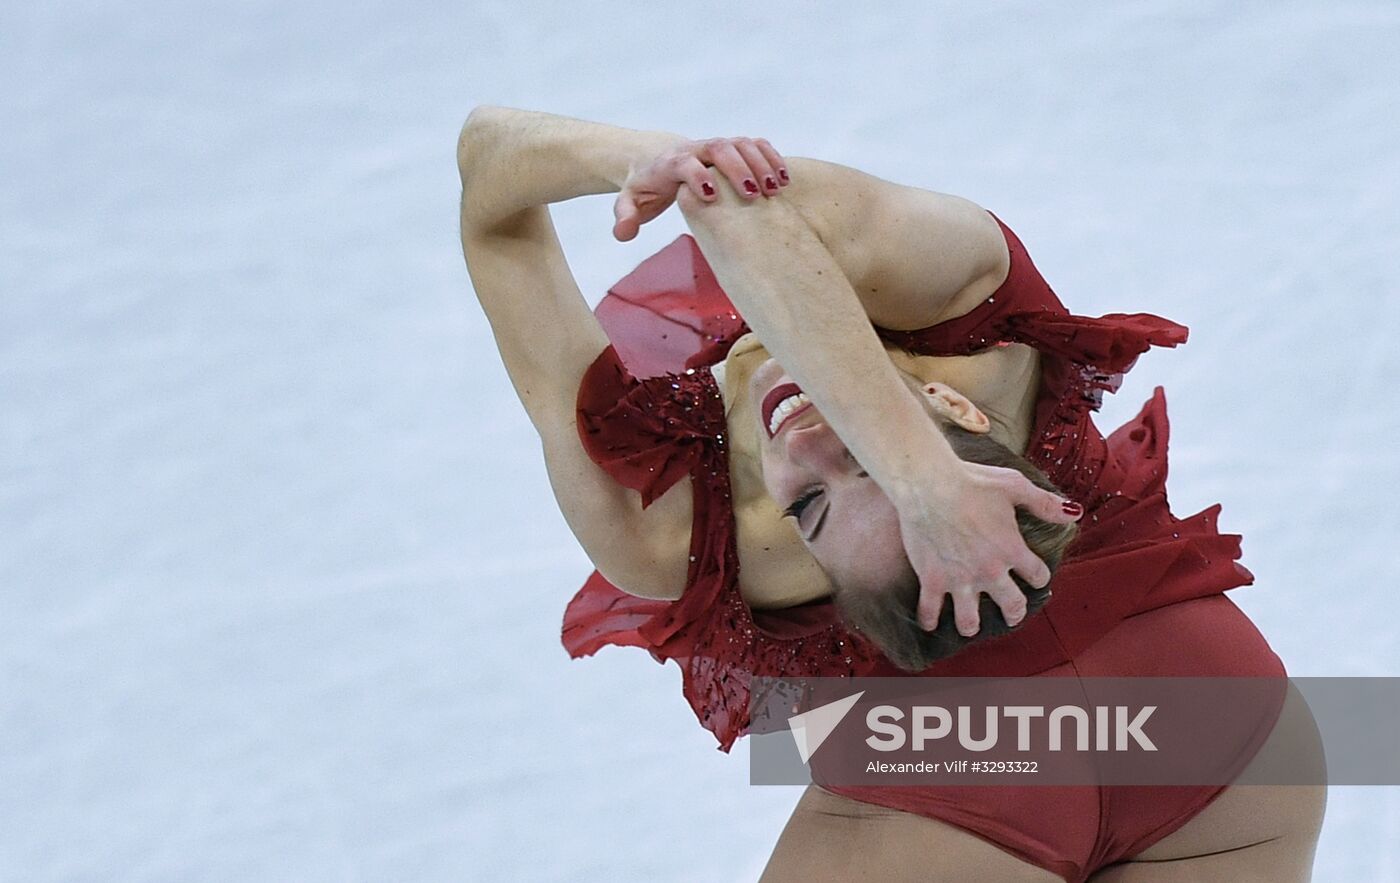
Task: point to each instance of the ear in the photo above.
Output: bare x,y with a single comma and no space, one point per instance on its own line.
955,407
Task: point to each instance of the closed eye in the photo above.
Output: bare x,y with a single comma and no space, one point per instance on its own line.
810,510
800,504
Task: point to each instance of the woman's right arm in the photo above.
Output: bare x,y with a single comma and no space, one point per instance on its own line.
513,163
957,519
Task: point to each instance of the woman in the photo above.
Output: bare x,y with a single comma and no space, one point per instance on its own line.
813,254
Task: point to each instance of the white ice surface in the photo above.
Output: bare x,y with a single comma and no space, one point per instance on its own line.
280,575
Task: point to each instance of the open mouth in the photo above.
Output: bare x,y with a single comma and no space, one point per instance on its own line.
783,402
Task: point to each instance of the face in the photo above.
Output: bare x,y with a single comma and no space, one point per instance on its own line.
841,514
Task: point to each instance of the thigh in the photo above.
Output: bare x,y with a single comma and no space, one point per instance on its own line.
1249,832
1276,861
835,838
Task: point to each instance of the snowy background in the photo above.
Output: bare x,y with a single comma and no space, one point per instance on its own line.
280,575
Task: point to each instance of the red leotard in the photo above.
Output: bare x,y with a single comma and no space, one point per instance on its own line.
1139,593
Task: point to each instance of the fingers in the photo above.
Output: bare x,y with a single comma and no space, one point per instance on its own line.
1003,591
627,216
697,176
1045,505
632,210
1030,568
763,170
752,166
644,199
1009,597
965,616
930,608
931,605
725,156
775,160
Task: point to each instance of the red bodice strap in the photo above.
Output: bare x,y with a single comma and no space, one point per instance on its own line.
650,414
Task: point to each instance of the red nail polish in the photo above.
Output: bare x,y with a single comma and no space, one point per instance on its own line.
782,173
1072,508
707,188
770,183
750,186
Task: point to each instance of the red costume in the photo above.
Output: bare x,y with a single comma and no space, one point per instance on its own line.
1139,593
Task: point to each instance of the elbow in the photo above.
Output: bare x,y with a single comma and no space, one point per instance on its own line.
483,129
475,145
471,138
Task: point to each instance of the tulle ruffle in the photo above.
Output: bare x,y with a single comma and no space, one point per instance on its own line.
1132,554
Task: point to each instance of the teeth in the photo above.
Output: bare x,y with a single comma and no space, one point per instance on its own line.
786,407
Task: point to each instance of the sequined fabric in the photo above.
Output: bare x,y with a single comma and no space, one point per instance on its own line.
648,432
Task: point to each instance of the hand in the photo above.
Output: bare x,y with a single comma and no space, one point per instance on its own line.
751,166
963,541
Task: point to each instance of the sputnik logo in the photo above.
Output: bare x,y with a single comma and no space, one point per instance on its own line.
810,728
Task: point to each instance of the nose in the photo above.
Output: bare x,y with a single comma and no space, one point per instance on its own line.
818,448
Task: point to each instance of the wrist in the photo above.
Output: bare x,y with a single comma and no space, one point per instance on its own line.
631,150
942,485
911,459
512,160
929,475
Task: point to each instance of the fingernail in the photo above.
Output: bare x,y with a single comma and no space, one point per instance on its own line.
750,186
770,183
1072,509
707,188
782,173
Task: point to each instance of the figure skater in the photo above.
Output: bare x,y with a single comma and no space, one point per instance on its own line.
888,433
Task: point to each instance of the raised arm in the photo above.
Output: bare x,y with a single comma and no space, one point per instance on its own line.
790,266
957,519
513,163
914,257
